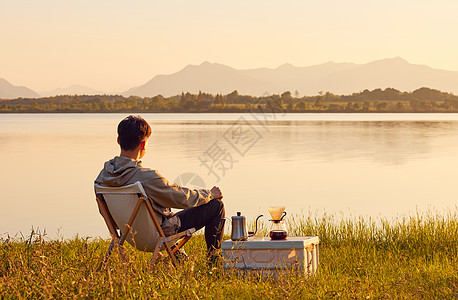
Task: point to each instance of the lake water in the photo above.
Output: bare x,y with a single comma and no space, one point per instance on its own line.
345,164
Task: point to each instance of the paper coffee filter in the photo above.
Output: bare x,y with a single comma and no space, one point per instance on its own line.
276,212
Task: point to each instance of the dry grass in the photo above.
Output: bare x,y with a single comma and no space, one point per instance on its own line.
406,258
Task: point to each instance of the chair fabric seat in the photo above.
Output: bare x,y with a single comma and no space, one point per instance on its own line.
128,209
121,202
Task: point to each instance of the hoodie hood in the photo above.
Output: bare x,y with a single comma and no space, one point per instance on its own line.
118,171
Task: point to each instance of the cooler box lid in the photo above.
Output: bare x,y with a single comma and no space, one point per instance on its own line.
293,242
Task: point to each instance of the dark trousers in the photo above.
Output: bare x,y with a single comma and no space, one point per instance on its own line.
211,216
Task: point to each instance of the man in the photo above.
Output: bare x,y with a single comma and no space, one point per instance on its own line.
201,208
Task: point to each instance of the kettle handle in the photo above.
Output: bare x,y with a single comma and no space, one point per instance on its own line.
284,214
256,229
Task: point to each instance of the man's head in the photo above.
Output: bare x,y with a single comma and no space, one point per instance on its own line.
132,131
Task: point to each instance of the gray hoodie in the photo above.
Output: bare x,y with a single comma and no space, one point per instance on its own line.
121,171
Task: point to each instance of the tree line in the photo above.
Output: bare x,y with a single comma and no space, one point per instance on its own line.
377,100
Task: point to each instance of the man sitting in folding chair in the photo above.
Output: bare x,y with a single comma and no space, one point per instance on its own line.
201,207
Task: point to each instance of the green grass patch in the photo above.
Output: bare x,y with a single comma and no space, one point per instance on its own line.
405,258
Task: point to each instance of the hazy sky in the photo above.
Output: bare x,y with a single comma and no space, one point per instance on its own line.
113,45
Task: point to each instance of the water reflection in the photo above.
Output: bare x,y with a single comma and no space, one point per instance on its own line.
383,142
379,167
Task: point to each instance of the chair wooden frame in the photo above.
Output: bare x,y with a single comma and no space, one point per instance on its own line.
171,243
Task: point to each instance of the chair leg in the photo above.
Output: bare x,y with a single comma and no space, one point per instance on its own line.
156,255
122,253
172,244
110,249
170,250
180,243
172,256
120,249
107,255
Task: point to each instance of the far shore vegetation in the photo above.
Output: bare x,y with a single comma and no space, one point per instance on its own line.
409,257
423,100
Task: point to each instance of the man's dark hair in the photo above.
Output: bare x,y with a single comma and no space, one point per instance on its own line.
132,131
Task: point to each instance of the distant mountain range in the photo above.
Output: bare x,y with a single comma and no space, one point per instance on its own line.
74,89
337,78
9,91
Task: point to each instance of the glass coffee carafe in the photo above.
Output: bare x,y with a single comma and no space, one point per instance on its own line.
277,228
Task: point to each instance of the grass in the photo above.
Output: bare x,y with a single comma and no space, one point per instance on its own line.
409,257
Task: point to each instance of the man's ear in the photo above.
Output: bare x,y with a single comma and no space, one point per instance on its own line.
118,141
143,145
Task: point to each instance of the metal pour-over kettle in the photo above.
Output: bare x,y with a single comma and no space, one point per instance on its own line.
239,228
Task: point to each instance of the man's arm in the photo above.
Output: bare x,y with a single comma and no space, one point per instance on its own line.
169,195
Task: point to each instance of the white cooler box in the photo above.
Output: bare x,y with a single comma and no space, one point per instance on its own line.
263,253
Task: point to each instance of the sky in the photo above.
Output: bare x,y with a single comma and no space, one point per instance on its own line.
113,45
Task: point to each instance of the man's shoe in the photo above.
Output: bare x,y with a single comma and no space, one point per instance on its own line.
215,261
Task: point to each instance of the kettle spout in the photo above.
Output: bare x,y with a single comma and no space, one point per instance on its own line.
256,228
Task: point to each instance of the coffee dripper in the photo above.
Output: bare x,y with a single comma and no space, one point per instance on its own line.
277,228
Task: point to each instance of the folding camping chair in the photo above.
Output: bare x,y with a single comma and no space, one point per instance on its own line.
128,209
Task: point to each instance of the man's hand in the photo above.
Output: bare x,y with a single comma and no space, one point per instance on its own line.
216,193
